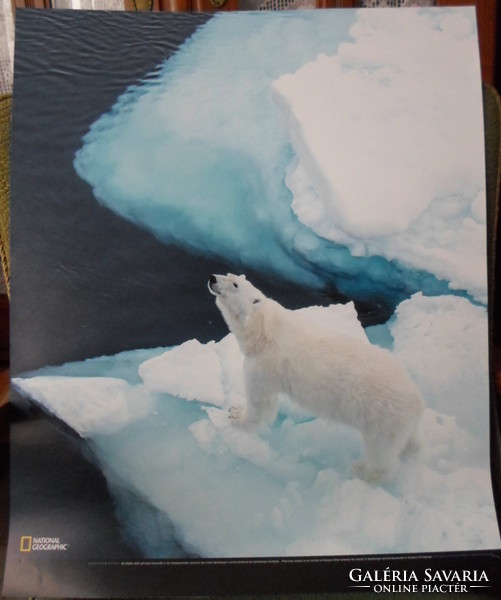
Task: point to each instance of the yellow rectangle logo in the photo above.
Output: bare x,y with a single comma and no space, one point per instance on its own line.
26,543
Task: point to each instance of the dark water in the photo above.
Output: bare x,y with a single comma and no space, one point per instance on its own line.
84,281
55,492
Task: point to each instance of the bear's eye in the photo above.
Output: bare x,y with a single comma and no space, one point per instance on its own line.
235,285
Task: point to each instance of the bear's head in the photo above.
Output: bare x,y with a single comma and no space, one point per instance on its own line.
236,298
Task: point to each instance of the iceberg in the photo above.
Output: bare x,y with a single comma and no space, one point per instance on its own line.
157,423
353,160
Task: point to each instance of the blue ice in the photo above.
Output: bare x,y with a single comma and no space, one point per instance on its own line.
187,482
197,155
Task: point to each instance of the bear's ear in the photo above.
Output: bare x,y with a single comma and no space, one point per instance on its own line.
242,276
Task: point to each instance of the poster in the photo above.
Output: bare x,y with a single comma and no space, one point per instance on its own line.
333,158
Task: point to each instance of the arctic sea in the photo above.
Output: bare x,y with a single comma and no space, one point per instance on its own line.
286,171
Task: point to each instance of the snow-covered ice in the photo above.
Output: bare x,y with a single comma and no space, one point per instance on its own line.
354,158
382,163
226,492
449,332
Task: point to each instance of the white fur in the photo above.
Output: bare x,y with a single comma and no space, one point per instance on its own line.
339,378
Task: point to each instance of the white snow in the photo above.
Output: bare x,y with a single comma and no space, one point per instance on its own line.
90,405
384,162
168,372
448,332
289,490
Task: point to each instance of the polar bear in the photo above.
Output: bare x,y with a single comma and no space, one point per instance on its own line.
338,378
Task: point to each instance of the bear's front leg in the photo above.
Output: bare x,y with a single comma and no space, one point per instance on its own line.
261,401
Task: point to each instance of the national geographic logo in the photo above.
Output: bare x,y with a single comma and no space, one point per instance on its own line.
42,544
26,541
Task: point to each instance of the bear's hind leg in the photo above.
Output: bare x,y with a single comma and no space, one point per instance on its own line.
413,444
372,473
381,458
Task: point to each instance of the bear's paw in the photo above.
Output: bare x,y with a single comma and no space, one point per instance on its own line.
237,413
371,475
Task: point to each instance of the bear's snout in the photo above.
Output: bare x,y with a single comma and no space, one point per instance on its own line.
211,284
